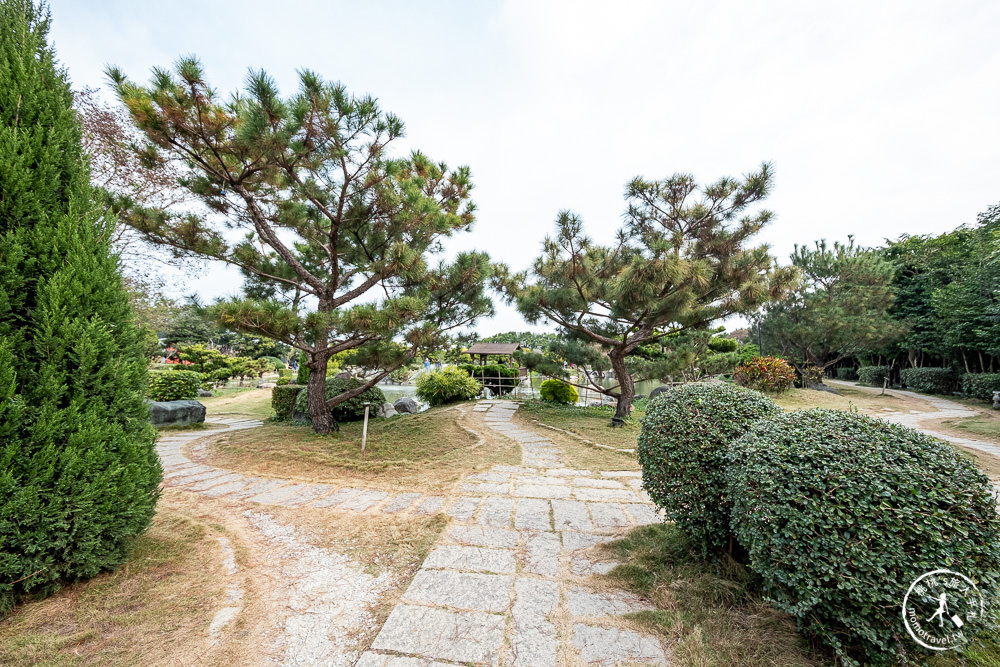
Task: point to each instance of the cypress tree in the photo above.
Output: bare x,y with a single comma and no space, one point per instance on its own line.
78,470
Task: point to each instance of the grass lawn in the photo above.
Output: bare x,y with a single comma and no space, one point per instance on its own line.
986,425
239,402
590,423
708,613
429,451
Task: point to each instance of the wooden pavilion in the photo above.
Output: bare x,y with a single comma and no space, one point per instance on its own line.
483,350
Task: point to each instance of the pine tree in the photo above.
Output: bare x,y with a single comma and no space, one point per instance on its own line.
78,471
680,262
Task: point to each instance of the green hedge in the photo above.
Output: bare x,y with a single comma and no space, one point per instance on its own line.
840,512
276,363
283,400
352,409
929,380
447,386
487,375
682,450
980,385
847,373
173,385
873,375
556,390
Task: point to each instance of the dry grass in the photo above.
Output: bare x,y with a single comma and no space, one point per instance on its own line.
708,613
426,452
242,403
591,424
849,398
984,426
152,610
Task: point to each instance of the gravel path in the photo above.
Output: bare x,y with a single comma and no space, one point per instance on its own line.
506,584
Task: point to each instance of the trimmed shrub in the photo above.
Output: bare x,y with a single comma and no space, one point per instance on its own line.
446,386
495,377
811,376
847,373
840,512
929,380
350,410
275,363
873,375
283,400
173,385
682,450
722,344
556,390
767,374
980,385
283,382
302,374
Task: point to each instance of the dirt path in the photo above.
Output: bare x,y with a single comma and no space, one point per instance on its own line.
508,583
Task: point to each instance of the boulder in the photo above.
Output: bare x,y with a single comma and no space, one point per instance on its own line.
204,393
267,385
176,413
996,400
342,375
659,390
406,406
388,410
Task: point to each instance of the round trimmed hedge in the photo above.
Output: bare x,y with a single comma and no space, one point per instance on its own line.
350,410
682,450
840,512
559,391
447,385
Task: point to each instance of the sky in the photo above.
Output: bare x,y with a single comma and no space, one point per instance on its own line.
880,118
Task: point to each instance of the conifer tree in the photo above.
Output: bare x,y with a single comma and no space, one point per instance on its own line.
680,262
78,470
335,236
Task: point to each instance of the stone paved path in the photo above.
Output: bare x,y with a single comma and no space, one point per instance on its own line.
506,584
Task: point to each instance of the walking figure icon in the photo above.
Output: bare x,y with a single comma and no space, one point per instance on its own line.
942,610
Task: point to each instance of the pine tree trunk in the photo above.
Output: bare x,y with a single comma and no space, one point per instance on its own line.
320,415
626,385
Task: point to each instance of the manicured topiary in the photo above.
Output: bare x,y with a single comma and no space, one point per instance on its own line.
980,385
556,390
767,374
283,400
840,512
873,375
79,474
352,409
173,385
447,386
929,380
682,450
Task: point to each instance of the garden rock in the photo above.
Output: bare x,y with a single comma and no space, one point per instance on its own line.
388,410
406,406
996,400
204,393
342,375
659,390
266,385
176,413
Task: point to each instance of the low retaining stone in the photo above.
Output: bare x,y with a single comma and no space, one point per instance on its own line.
176,413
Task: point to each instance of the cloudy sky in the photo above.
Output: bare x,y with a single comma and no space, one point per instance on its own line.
881,118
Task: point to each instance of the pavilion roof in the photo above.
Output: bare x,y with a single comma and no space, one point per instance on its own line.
493,348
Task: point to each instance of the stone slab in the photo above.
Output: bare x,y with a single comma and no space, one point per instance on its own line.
364,500
572,515
400,502
496,512
533,639
604,494
462,637
461,590
597,483
541,554
610,646
475,559
483,536
430,505
539,491
608,515
642,514
337,497
463,508
533,514
584,603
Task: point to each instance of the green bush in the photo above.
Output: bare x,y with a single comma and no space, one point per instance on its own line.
723,344
840,512
446,386
498,378
352,409
929,380
302,375
682,450
811,376
79,475
768,374
556,390
283,400
847,373
283,382
873,375
286,373
275,363
173,385
980,385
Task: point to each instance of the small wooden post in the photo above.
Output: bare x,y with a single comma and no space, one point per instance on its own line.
364,429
